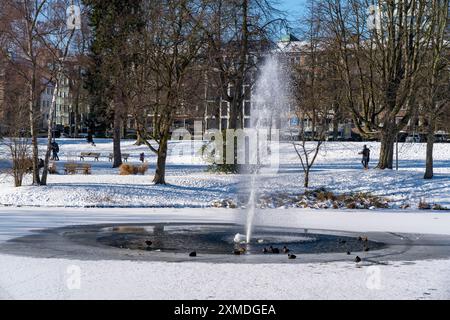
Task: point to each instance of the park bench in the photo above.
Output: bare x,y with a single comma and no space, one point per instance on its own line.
93,155
74,168
125,157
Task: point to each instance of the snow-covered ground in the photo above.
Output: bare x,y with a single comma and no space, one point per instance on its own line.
33,278
27,278
190,187
338,169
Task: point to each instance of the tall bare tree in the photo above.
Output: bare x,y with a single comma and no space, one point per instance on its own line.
380,63
174,38
437,85
313,91
238,33
36,34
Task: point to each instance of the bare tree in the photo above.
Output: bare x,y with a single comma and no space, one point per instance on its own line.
380,63
314,92
18,143
174,38
238,32
25,43
36,35
437,88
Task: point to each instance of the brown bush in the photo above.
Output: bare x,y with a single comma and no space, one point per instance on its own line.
321,196
125,169
142,169
330,196
25,164
351,205
423,205
129,169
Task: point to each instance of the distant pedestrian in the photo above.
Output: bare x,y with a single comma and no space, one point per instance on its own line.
365,157
142,157
90,139
55,151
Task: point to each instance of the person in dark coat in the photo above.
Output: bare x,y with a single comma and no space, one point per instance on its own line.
90,139
142,157
365,157
55,150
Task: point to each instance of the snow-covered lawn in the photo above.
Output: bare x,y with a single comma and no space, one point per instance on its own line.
190,186
27,278
33,278
338,169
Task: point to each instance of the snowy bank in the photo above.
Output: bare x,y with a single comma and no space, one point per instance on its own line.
338,169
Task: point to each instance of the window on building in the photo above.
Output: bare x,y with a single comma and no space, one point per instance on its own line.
247,108
224,109
224,123
247,92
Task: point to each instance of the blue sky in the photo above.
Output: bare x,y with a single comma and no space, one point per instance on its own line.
292,7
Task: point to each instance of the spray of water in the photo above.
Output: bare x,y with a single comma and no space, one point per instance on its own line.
269,108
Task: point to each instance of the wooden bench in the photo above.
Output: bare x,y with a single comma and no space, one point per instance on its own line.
125,157
89,155
74,168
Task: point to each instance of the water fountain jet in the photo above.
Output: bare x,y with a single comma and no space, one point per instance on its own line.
269,104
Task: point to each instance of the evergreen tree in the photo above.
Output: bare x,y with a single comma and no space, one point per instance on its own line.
115,25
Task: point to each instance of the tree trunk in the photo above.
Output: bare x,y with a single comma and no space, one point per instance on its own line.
75,118
33,131
116,138
140,139
430,144
50,122
306,182
77,102
232,119
386,160
336,123
241,116
160,174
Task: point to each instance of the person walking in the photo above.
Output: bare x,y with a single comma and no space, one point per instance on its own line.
142,157
365,157
90,139
55,151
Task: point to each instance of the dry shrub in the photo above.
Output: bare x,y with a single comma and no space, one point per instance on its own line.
351,205
423,205
142,169
379,203
330,196
321,196
129,169
125,169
